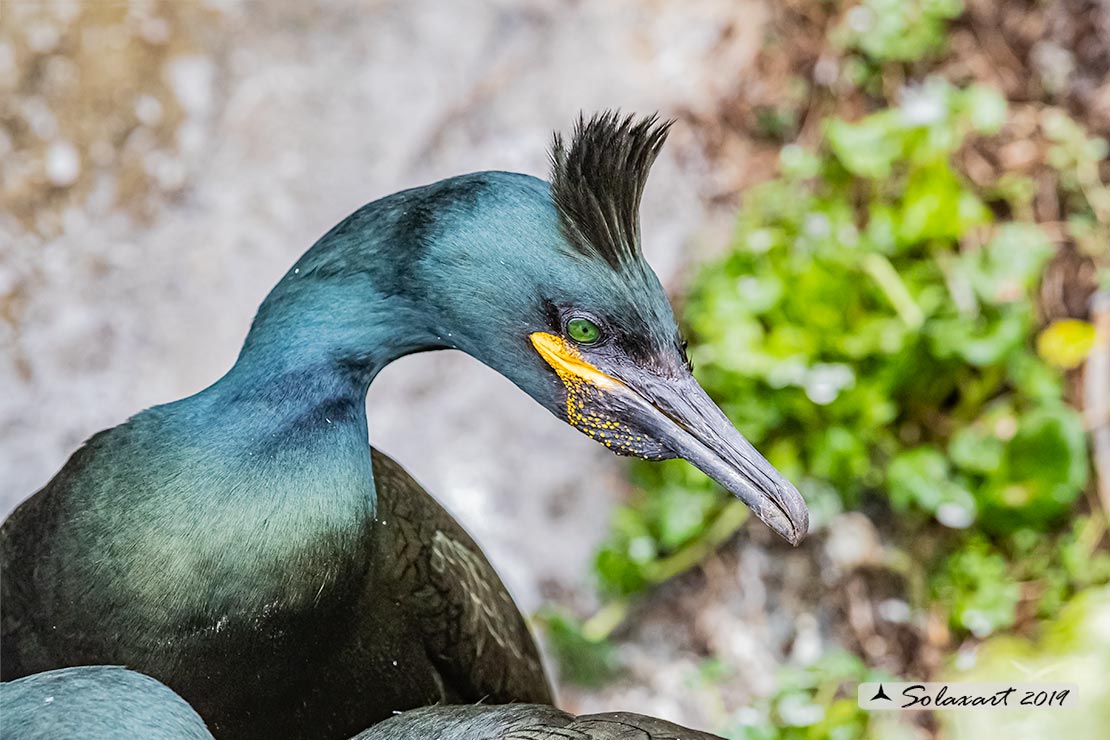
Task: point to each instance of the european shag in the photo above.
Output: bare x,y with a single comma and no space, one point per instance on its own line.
245,546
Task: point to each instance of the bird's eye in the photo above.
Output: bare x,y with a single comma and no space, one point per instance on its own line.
583,331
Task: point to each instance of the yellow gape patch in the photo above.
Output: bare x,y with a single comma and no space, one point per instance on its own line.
584,383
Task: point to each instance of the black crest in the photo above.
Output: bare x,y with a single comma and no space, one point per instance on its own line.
597,183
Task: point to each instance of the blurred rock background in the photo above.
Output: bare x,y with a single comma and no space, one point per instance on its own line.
163,163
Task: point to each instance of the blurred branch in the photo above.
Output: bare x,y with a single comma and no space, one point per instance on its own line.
608,618
886,277
728,522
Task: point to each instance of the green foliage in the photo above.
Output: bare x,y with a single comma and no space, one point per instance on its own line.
1074,647
898,30
872,333
811,703
1066,343
975,585
583,661
677,505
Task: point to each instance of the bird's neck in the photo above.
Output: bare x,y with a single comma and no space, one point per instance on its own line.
427,268
272,461
418,270
341,331
324,343
350,306
353,303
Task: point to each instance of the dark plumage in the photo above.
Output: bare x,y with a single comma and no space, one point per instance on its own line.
95,703
597,184
246,547
525,722
416,616
113,703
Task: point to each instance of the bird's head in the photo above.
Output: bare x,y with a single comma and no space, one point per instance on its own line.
559,299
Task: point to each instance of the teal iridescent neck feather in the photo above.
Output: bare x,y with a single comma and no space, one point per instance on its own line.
245,545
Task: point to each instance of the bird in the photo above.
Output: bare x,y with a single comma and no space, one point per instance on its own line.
95,703
248,548
524,722
101,702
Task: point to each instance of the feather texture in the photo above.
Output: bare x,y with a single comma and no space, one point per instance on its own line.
94,703
525,722
597,182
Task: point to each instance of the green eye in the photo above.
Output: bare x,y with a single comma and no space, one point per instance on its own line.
583,331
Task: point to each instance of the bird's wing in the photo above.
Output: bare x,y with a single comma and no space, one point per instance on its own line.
488,613
607,726
20,650
473,632
524,722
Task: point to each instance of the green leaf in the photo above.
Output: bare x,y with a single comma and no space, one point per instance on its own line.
936,206
1009,265
915,478
1047,458
1066,343
986,108
1043,471
798,162
619,563
868,148
1033,378
682,513
898,30
582,661
979,342
978,589
977,449
923,478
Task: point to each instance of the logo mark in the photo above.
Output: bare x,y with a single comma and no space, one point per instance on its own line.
880,694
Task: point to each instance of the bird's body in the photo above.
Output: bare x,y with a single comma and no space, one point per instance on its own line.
419,617
241,546
95,703
525,722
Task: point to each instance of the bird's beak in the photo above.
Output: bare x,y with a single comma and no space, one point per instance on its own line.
637,412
